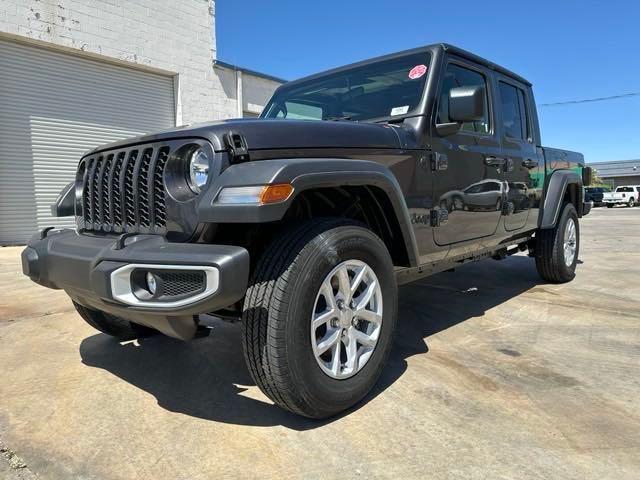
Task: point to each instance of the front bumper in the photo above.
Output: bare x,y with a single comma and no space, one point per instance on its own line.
84,265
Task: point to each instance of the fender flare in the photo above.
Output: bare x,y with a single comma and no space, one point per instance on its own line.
64,206
303,174
556,188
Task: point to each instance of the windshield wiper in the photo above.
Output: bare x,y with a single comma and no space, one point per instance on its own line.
337,119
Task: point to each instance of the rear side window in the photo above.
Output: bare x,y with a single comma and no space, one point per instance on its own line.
457,76
514,112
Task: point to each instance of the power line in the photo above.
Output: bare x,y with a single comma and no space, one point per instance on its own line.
590,100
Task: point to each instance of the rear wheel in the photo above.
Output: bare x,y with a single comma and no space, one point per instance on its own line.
609,205
319,316
557,248
631,203
112,325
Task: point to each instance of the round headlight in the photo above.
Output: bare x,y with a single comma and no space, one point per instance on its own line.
198,169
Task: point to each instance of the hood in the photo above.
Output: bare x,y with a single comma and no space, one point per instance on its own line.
270,134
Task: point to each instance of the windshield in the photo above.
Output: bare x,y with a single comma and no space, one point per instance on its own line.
387,88
624,189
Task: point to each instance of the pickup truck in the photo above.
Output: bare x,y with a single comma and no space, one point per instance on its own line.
595,195
303,223
628,196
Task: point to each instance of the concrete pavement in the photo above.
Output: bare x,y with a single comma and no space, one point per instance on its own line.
494,374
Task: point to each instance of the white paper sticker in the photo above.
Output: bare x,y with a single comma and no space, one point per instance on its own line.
399,110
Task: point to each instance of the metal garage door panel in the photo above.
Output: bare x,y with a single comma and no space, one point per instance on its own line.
54,107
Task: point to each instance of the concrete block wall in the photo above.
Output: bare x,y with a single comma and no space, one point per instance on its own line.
256,92
172,36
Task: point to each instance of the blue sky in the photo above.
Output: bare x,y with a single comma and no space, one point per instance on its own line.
568,49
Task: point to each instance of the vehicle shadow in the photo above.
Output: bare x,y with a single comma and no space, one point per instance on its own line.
207,378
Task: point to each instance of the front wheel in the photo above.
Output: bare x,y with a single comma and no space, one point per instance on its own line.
557,248
609,205
631,203
319,316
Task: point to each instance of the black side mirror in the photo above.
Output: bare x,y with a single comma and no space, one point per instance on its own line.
467,104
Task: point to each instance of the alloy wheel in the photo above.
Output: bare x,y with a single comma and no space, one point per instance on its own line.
346,319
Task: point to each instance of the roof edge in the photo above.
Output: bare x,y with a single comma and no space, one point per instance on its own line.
266,76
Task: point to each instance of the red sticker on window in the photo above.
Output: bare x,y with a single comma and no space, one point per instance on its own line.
417,71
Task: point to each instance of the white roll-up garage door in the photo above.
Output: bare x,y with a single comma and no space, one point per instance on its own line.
55,106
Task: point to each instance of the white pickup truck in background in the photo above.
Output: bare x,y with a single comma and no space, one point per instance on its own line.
627,195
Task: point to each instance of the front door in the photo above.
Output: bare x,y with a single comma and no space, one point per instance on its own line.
468,183
519,152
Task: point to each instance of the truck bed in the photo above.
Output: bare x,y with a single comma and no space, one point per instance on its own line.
556,158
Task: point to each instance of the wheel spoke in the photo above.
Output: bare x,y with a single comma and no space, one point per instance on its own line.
351,348
357,279
344,286
368,315
327,293
363,338
328,341
335,359
364,299
322,318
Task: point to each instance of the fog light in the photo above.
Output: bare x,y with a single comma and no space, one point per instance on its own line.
151,283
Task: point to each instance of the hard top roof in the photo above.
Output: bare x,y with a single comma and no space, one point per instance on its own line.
437,46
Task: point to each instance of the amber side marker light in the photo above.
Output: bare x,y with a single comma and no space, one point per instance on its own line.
255,195
276,193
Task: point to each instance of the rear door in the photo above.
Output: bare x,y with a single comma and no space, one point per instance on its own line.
467,184
518,150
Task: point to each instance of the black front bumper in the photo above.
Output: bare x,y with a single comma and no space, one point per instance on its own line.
82,265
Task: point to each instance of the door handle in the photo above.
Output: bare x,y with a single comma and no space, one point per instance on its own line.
494,161
529,163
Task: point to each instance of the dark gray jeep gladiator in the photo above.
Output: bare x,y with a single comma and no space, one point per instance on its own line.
301,224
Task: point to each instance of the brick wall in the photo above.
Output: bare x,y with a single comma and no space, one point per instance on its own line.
175,36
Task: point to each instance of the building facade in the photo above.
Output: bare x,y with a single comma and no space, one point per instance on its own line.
80,73
618,173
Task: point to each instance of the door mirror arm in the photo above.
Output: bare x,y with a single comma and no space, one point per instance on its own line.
446,129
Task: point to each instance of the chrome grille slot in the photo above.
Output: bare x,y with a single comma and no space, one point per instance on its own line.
123,190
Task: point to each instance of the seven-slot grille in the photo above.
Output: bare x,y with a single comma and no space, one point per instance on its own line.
123,190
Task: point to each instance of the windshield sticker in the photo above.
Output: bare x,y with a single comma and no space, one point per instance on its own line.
417,71
399,110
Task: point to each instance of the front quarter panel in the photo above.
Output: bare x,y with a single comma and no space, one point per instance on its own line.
303,174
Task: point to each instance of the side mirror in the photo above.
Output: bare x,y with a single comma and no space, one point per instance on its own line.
467,104
587,176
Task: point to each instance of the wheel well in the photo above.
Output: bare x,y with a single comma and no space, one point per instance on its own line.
366,204
572,195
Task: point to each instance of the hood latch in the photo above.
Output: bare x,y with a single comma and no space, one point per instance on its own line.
236,146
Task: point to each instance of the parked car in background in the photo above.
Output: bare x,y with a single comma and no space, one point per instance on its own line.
595,195
627,195
484,195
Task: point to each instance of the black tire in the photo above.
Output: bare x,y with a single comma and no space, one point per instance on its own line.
279,305
549,251
111,325
609,205
631,203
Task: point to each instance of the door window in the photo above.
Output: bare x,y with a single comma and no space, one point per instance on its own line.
457,76
515,123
